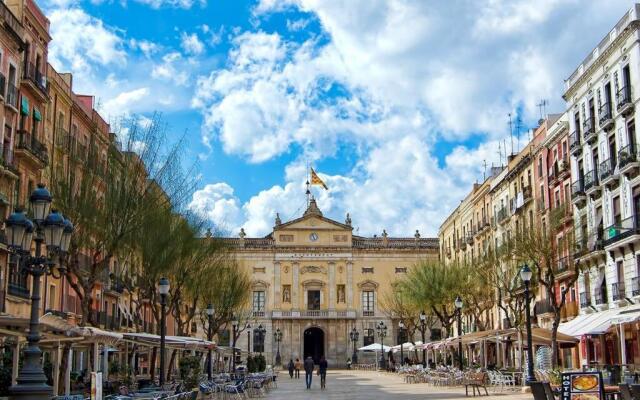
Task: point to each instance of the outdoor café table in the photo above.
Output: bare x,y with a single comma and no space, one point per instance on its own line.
516,375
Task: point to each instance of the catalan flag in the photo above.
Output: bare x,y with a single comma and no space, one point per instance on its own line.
315,180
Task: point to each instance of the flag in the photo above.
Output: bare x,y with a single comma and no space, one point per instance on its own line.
315,180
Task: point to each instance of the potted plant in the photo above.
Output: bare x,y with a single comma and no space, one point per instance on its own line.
190,372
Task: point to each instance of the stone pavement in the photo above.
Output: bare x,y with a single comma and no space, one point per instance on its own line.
371,385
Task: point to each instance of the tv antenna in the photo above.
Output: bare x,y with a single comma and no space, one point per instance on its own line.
484,174
510,134
543,108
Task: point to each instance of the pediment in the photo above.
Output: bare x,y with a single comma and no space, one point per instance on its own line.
313,223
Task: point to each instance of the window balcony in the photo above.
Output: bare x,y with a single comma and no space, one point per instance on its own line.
617,291
319,314
561,214
628,160
574,143
635,286
600,297
623,99
608,173
585,300
591,183
34,76
33,147
543,307
11,98
589,130
605,116
503,215
563,267
578,196
622,233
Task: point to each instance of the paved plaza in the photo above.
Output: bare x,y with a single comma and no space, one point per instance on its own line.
369,385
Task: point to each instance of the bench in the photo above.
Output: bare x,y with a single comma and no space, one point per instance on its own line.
476,381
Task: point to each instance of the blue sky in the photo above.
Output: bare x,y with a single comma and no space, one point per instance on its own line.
398,104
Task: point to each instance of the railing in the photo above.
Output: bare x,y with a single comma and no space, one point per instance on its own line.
635,286
543,307
327,314
574,140
585,300
560,212
18,290
588,128
600,297
623,97
617,291
620,230
604,113
503,214
577,188
627,155
34,75
28,142
259,314
12,95
590,180
3,85
562,264
607,168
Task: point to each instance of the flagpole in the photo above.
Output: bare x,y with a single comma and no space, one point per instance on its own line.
308,184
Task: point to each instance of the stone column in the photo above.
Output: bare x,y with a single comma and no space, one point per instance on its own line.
67,373
277,286
295,299
332,285
56,369
350,285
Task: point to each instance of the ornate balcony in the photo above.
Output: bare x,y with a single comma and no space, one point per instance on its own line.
11,98
635,286
317,314
36,79
628,160
623,99
585,300
591,184
608,173
574,143
600,297
605,116
622,233
33,148
589,130
617,291
578,196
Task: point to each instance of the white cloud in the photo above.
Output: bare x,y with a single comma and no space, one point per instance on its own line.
298,24
172,3
191,44
171,69
124,102
218,203
147,47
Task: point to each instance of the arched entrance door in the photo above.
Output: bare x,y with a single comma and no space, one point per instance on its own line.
314,344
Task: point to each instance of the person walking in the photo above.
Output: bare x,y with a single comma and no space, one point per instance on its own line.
298,366
290,367
322,369
308,371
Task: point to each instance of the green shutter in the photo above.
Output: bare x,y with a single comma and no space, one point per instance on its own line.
24,109
36,114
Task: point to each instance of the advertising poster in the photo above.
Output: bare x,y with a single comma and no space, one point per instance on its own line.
582,386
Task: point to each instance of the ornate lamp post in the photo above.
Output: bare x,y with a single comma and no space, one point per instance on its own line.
353,335
277,336
54,231
401,334
423,327
210,312
261,331
458,304
382,332
525,275
163,288
234,327
248,328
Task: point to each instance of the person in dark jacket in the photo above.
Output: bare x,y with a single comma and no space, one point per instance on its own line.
308,371
290,367
322,370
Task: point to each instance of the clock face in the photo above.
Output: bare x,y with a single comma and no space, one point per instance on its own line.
313,237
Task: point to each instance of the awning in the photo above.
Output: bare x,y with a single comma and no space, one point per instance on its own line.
24,106
408,346
375,347
599,322
36,114
174,342
92,334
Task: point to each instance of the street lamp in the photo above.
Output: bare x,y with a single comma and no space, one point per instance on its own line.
401,332
54,231
234,326
525,275
353,335
423,326
248,328
163,288
277,336
210,312
260,330
382,332
458,304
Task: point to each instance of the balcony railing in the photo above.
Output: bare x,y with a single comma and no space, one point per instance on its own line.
577,188
604,114
503,214
600,297
34,75
623,97
574,141
617,291
590,180
562,265
627,155
12,95
620,230
585,300
589,129
543,307
327,314
635,286
607,168
28,142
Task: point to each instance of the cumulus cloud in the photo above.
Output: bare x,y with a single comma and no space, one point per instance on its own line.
186,4
191,43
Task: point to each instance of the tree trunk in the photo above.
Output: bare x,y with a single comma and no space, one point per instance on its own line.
554,339
171,361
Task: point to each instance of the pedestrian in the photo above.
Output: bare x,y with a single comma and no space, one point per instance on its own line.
290,368
308,371
322,369
348,363
298,366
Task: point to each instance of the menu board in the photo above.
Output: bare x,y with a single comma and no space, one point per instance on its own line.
582,386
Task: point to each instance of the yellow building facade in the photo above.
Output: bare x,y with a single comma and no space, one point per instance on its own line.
315,281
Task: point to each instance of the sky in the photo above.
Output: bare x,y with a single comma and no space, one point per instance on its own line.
398,105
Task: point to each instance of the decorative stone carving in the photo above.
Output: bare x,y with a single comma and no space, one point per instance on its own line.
315,269
259,284
259,270
368,284
286,269
313,283
367,270
347,220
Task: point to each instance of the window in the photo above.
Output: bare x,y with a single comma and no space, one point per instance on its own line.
313,299
258,341
368,337
368,303
52,297
616,210
258,303
540,166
